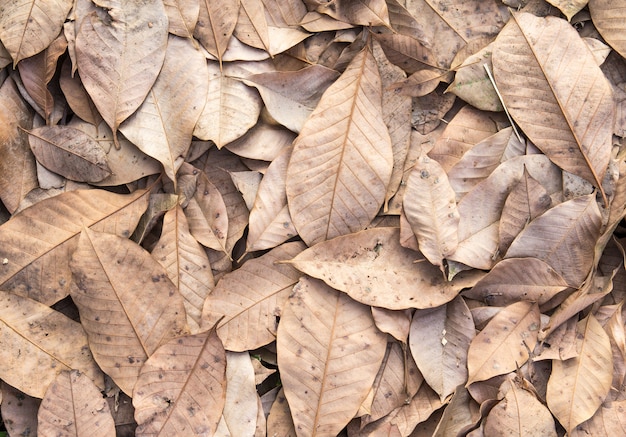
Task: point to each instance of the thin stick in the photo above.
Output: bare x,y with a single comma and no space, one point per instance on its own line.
495,87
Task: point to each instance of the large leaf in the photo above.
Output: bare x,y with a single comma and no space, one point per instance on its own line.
342,159
120,49
578,386
607,16
250,300
163,125
38,241
329,352
127,304
28,26
38,343
563,237
572,122
374,269
181,387
74,406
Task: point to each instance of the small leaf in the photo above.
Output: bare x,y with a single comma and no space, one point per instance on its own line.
74,406
70,153
182,16
215,25
241,406
606,16
505,343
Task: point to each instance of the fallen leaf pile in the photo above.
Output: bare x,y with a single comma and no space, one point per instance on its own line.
313,218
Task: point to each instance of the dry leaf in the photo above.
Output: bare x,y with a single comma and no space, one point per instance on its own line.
74,406
332,188
181,387
605,15
215,25
329,351
128,306
182,16
241,406
19,411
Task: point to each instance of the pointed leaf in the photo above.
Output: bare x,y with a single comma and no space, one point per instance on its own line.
119,52
74,406
563,237
329,352
241,406
569,7
29,26
251,26
127,304
182,16
215,26
250,299
374,269
577,387
360,12
342,159
70,153
38,241
162,127
504,344
38,343
573,122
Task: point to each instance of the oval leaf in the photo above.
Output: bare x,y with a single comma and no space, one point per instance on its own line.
342,160
505,343
70,153
607,16
181,388
127,304
74,406
329,352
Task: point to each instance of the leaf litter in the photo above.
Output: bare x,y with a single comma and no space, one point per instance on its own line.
305,218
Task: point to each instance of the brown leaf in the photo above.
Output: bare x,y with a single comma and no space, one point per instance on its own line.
342,160
182,16
569,7
186,263
505,343
119,52
50,229
251,28
241,406
430,207
263,142
395,323
38,344
162,127
361,12
215,25
74,406
374,269
249,300
70,153
182,386
28,27
127,304
578,386
439,341
329,352
19,411
563,237
461,414
279,420
608,421
577,99
605,14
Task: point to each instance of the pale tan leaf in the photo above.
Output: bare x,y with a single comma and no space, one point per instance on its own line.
431,210
422,406
231,108
395,323
519,413
39,343
251,28
74,406
270,221
418,84
279,421
329,352
249,300
563,237
119,52
163,125
27,27
76,95
607,16
578,386
241,407
215,25
569,7
264,142
182,16
360,12
247,183
38,241
439,340
18,174
515,279
406,51
186,263
342,160
181,388
127,304
291,96
460,414
505,343
374,269
573,121
607,422
36,73
19,411
70,153
285,13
